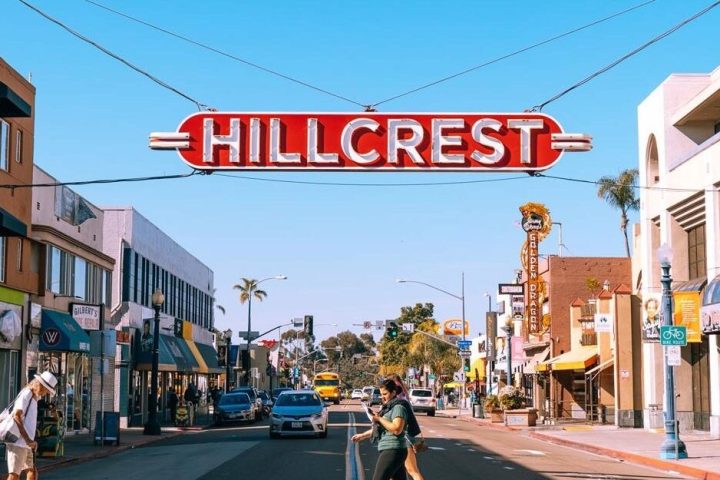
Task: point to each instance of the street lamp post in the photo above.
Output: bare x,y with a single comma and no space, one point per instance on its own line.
672,447
228,344
508,328
489,347
247,348
460,297
152,427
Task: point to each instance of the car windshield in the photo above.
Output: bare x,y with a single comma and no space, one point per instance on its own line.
298,400
376,391
278,391
234,399
247,392
327,383
421,393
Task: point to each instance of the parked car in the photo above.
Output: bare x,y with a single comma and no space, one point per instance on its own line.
234,407
298,412
422,400
254,398
267,402
366,392
356,394
375,397
278,391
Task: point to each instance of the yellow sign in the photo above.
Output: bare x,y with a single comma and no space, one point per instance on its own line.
686,311
537,224
454,327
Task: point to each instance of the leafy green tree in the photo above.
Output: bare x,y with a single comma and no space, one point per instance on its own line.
442,359
394,352
350,357
619,192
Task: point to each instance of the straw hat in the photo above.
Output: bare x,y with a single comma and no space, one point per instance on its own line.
48,381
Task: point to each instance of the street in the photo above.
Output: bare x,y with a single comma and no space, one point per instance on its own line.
457,450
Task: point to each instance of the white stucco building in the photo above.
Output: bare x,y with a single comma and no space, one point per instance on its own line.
679,158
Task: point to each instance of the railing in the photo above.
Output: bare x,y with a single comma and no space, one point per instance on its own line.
588,339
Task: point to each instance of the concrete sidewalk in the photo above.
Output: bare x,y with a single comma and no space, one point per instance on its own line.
634,445
80,448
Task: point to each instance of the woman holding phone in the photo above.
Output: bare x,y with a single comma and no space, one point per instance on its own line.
414,436
388,430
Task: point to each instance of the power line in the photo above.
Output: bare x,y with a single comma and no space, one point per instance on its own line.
638,187
626,56
512,54
355,184
163,84
228,55
102,181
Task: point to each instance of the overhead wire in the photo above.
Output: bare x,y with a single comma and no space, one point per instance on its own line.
512,54
229,55
538,108
101,181
117,57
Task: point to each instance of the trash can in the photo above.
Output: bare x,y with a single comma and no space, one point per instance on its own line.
478,411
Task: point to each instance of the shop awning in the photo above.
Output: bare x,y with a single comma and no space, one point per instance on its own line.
576,359
595,371
59,332
712,292
453,385
209,357
10,226
530,367
694,285
12,104
166,360
184,359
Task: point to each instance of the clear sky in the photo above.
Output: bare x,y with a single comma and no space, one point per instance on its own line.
342,247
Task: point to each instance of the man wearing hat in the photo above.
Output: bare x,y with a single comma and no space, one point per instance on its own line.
20,453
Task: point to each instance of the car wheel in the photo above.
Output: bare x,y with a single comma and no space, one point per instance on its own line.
431,413
274,435
323,434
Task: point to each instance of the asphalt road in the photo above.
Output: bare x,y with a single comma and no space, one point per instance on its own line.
458,450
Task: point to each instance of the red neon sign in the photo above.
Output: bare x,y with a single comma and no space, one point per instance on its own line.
370,141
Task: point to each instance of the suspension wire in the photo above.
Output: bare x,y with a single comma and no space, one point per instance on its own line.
656,39
637,187
512,54
163,84
103,181
228,55
355,184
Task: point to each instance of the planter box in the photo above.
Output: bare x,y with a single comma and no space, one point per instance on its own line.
495,416
525,417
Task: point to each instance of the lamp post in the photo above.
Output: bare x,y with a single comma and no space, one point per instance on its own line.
228,343
508,328
152,427
460,297
672,447
489,346
247,348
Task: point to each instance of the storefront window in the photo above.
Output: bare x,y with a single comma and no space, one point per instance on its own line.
8,376
79,278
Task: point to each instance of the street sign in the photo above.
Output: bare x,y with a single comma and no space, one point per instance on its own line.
464,344
298,322
367,325
253,335
379,324
408,327
464,353
673,335
674,359
603,323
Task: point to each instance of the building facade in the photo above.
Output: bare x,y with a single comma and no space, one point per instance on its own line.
678,153
148,259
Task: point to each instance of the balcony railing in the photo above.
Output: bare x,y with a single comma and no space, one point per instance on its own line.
588,339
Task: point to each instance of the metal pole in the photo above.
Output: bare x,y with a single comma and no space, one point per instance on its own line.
509,332
672,436
462,376
228,342
247,339
152,427
102,376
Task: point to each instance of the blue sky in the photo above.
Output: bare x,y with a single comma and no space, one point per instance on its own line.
342,247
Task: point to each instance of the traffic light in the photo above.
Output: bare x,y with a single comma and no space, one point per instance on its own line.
392,330
466,364
308,326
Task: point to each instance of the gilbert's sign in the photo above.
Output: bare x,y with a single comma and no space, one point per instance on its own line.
370,141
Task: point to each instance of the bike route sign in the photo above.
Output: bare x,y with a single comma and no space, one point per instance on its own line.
673,335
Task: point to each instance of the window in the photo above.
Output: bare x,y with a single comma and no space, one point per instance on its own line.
53,269
18,146
79,278
3,240
696,252
4,144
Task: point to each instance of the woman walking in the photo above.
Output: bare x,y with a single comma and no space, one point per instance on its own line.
389,429
413,432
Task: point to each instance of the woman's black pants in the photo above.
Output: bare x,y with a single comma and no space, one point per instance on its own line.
391,465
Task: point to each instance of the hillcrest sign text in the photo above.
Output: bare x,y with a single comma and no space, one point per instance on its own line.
370,141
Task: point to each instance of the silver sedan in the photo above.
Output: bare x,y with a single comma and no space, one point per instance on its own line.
298,412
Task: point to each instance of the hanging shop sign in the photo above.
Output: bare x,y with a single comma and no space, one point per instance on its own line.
651,320
87,316
686,312
370,141
455,327
537,224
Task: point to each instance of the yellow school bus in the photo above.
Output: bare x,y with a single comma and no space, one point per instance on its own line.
327,385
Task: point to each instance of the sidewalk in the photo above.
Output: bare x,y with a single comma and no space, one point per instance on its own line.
80,448
634,445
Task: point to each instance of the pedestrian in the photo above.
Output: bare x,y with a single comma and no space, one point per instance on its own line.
414,435
189,397
389,427
20,453
172,403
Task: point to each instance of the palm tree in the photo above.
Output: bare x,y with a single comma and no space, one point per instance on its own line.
620,193
441,358
248,290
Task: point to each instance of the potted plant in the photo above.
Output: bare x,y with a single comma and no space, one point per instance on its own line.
512,400
492,408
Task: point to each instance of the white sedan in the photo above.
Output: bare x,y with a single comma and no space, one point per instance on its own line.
356,394
298,412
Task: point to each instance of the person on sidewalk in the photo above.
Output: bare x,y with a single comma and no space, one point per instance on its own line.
172,403
414,436
189,397
388,431
20,454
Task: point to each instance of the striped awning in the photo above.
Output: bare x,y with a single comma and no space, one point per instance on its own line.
694,285
712,292
576,359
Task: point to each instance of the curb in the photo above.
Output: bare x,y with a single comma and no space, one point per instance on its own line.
106,452
631,457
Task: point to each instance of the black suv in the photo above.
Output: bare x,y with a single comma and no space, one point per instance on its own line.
254,399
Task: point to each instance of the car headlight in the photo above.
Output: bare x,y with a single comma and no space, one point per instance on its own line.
316,416
276,416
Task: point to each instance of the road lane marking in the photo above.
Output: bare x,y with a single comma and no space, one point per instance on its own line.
436,448
532,452
353,464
